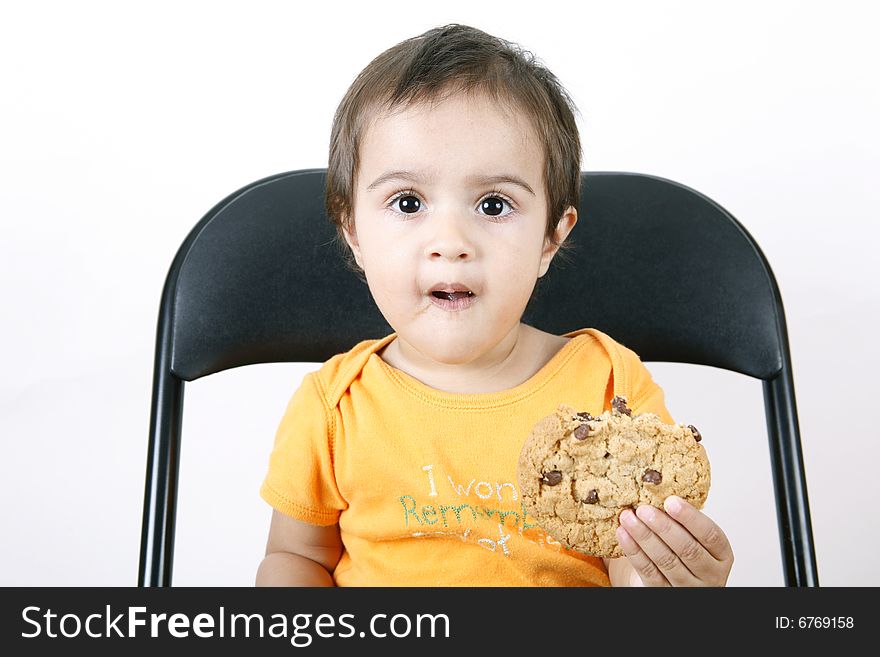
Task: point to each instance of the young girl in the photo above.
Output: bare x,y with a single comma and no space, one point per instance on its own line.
454,178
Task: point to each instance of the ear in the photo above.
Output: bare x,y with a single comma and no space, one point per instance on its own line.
563,228
352,241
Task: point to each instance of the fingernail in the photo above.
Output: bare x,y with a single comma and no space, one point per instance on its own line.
628,518
673,504
646,512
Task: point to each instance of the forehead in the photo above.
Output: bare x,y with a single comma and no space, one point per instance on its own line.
460,137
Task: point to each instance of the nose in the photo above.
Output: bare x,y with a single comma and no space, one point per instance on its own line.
449,238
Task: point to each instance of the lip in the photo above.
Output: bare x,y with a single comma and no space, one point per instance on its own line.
453,305
450,287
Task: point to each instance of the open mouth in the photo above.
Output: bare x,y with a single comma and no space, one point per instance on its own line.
451,296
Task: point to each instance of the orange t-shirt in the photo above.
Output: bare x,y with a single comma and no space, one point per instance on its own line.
423,482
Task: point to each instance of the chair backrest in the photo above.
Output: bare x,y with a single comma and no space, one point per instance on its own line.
659,266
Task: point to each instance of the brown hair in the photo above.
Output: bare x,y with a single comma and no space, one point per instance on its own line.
442,62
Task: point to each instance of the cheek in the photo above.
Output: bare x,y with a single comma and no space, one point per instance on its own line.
385,257
388,268
514,276
520,254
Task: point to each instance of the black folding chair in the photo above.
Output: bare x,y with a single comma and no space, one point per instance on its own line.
670,274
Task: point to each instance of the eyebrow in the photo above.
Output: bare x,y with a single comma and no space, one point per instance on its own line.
410,176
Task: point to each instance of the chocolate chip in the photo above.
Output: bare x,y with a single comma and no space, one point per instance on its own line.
607,454
696,433
592,497
582,432
652,477
552,478
619,405
585,416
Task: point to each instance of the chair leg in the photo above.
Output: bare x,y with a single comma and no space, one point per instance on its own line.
160,496
792,504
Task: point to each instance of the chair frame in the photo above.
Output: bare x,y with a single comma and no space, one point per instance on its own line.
160,497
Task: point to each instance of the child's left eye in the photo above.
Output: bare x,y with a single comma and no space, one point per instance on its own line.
495,202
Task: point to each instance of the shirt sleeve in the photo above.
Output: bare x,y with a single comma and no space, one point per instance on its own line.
301,481
645,395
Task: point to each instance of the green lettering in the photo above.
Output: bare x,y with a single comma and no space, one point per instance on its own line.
457,509
427,511
525,515
407,512
502,515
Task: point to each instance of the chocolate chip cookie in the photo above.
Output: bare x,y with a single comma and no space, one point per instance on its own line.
578,472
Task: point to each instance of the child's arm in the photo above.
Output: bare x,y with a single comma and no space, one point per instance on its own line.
681,547
299,554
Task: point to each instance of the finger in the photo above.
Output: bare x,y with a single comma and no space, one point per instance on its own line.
641,564
686,548
701,527
660,555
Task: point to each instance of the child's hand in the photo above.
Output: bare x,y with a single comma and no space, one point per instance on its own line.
681,547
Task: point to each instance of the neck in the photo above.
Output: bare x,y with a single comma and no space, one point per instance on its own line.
510,362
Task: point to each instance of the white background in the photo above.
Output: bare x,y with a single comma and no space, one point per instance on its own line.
123,123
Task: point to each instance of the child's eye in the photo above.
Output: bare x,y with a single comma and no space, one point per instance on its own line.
492,204
409,203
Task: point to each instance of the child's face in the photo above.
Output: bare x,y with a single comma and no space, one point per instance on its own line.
440,224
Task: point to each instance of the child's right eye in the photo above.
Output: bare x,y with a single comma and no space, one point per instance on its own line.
409,203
